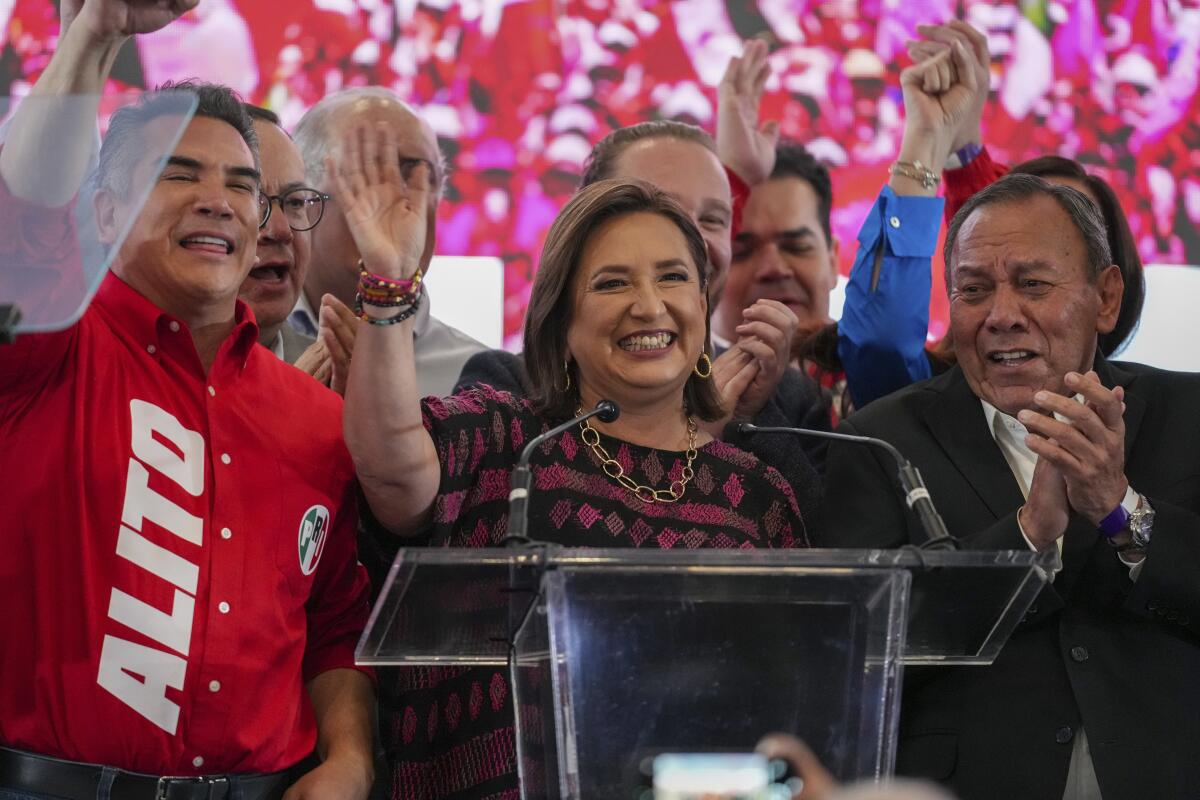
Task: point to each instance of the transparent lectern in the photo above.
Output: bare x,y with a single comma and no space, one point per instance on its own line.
619,654
53,252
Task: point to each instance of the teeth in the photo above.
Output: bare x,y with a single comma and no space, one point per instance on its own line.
1012,356
207,240
656,342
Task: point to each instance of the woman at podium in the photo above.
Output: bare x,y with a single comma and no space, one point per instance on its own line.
618,312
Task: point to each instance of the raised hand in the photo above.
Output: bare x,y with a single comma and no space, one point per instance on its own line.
940,38
112,19
939,93
1088,448
384,196
742,144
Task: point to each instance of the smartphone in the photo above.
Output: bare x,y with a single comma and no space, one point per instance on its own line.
718,776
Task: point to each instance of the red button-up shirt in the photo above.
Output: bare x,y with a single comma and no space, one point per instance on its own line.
177,556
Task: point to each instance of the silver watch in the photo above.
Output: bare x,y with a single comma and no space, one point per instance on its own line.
1141,523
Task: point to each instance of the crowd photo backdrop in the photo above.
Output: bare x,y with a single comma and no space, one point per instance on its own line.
519,90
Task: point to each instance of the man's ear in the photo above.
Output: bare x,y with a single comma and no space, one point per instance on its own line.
107,218
1111,287
835,247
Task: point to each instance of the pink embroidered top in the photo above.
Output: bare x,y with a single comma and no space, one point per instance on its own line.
448,732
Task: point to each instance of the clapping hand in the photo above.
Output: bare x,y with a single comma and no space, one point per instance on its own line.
742,144
1087,446
384,197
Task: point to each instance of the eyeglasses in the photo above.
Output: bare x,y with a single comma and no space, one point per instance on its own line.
301,207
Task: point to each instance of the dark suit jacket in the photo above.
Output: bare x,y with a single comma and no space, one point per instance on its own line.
797,403
1120,658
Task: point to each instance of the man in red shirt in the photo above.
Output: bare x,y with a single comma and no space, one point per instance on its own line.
179,567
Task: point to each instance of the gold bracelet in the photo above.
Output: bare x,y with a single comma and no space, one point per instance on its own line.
916,171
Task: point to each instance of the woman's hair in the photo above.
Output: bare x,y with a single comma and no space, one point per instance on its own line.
1120,242
550,305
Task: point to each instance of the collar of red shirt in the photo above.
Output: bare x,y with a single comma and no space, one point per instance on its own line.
142,321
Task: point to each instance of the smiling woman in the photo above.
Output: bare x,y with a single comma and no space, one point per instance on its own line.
618,311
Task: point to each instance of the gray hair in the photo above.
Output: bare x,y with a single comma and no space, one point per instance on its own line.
312,134
1015,187
124,146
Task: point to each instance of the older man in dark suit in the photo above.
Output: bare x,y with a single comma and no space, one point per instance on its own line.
1036,441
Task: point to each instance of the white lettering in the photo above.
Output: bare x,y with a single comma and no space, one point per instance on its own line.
132,546
188,471
135,674
121,660
174,629
142,503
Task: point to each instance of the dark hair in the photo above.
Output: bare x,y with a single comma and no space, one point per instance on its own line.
548,317
792,160
123,146
1015,186
602,161
1120,242
265,114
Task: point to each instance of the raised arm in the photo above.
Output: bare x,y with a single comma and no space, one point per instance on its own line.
881,336
50,146
386,210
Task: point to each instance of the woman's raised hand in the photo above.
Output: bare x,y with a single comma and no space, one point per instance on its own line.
385,198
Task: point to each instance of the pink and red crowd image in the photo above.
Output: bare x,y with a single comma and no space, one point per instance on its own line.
519,90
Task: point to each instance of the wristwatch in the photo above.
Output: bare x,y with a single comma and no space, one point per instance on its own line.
1135,515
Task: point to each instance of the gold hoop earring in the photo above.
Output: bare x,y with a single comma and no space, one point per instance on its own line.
707,362
567,373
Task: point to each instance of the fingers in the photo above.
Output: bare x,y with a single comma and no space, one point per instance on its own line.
738,383
1107,404
924,73
370,142
964,69
976,41
818,782
341,321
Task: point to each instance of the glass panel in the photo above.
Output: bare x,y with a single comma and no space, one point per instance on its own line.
460,606
696,659
53,258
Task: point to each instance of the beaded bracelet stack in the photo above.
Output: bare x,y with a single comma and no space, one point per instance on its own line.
380,292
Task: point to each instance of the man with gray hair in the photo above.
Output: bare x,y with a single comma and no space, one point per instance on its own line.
1036,441
324,308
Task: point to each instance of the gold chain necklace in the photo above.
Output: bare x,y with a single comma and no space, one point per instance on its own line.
613,469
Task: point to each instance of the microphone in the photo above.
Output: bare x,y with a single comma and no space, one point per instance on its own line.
522,476
916,495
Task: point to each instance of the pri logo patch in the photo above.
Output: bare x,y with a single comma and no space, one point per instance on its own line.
314,529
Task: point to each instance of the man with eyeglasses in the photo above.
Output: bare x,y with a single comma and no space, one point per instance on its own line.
324,309
284,240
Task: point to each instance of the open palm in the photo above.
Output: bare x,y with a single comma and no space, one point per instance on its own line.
385,204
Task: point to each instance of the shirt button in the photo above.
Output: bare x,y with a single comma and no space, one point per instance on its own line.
1079,654
214,686
225,459
151,349
894,222
1064,734
226,533
212,392
174,326
223,607
197,762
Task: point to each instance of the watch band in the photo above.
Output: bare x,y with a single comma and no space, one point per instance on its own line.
1115,522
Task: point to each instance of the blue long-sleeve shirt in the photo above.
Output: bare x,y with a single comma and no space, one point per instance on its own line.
881,335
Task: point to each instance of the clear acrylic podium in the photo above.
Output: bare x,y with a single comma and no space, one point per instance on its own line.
619,654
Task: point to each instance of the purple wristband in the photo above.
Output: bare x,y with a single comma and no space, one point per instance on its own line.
1115,522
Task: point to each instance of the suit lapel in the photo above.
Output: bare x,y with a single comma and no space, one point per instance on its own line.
957,422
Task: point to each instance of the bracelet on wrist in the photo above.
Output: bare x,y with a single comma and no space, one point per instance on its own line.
407,312
915,171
